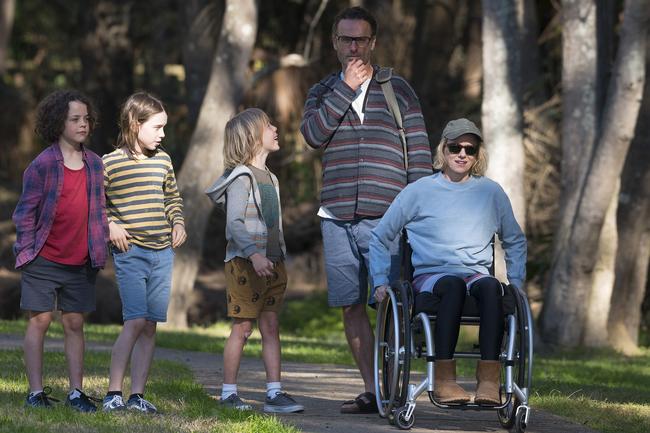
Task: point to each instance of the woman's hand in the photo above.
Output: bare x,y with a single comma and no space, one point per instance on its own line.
178,235
380,292
118,236
263,266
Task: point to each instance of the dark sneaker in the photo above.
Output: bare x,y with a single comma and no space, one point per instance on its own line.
282,403
40,399
113,403
234,402
81,402
140,404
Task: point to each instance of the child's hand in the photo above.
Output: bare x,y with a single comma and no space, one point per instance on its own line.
118,236
263,266
178,235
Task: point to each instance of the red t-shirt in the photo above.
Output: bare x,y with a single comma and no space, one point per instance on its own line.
67,242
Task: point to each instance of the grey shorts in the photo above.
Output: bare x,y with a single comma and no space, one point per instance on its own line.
46,286
345,247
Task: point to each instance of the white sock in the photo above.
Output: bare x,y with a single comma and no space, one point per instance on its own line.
272,388
227,390
33,393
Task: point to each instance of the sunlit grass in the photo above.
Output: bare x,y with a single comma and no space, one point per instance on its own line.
184,405
602,389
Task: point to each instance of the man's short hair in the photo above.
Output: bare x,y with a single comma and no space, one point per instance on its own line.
356,13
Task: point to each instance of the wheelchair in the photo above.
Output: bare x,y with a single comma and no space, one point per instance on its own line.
402,336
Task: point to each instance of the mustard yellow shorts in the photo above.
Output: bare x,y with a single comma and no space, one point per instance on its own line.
249,294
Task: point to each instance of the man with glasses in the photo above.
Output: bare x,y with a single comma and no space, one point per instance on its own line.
347,115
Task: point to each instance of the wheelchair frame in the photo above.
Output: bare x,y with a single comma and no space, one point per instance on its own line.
395,347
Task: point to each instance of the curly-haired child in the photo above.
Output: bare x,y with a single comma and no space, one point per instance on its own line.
61,234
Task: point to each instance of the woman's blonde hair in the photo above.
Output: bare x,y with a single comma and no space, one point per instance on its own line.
137,109
479,167
243,137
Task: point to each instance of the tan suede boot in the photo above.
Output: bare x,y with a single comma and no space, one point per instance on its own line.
445,388
487,378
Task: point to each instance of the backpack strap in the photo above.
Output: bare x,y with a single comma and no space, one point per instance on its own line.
383,77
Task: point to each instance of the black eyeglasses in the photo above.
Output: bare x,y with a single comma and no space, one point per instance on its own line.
362,41
456,148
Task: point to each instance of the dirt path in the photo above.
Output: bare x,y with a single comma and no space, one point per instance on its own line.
321,388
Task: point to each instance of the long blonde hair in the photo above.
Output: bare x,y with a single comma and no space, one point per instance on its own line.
243,137
479,167
137,109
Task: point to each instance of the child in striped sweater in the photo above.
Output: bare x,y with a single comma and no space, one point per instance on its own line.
145,213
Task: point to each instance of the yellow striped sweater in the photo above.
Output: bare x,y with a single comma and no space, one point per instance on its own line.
142,197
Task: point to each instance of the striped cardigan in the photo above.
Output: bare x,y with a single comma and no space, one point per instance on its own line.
363,163
253,219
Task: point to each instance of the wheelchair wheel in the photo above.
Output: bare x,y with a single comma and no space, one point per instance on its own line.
392,351
507,414
400,418
522,368
520,422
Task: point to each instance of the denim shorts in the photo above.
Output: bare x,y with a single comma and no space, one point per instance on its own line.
345,247
46,286
144,279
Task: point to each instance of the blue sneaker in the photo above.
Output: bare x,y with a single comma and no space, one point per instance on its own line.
282,403
141,405
234,402
81,402
113,403
40,399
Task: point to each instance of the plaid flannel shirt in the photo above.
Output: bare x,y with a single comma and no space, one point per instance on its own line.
34,214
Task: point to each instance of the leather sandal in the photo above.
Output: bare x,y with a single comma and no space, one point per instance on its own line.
363,403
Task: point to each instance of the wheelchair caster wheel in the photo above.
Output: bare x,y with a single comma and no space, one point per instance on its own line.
400,418
391,418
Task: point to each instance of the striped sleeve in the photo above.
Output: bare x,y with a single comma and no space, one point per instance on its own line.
173,200
324,110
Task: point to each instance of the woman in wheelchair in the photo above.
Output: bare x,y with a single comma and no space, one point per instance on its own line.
450,220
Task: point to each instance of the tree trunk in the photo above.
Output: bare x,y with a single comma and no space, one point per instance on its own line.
7,11
203,20
579,119
107,64
567,295
501,110
634,236
473,73
204,160
601,291
531,76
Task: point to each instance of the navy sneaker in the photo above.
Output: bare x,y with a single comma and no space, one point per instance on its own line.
140,404
282,403
81,402
40,399
234,402
113,403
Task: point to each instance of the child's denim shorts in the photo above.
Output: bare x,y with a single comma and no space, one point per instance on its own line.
144,279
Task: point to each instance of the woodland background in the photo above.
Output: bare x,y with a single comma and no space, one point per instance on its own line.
557,86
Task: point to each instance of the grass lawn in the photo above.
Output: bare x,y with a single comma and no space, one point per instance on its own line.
184,405
601,389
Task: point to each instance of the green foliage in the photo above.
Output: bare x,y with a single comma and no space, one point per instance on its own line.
183,403
312,317
602,389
